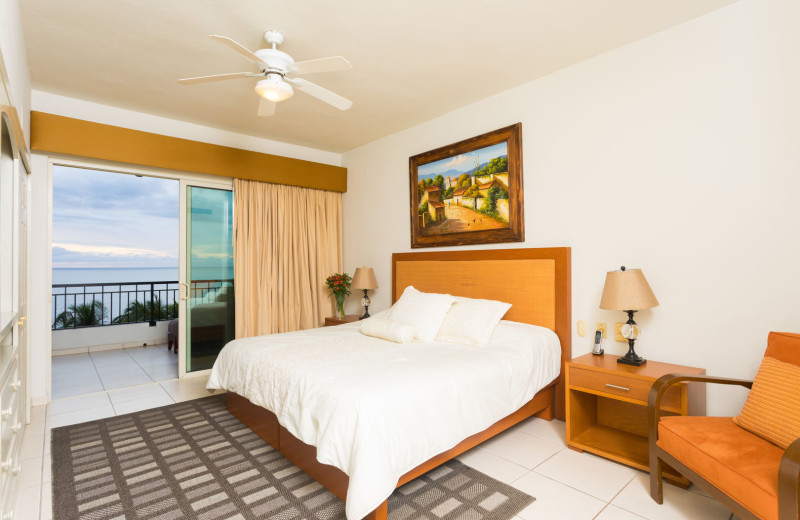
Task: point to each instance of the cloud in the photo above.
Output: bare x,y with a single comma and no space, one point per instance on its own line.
111,251
65,258
461,163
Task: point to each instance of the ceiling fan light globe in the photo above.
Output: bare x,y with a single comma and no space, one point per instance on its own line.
274,89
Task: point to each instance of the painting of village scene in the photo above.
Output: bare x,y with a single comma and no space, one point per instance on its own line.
468,192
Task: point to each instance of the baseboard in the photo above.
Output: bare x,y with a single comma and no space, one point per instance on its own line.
112,346
70,351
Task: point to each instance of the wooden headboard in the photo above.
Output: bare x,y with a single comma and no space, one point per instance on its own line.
535,281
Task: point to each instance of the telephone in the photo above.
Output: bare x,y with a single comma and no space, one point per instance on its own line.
597,350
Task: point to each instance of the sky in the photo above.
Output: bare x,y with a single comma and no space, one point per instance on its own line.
211,232
464,162
103,219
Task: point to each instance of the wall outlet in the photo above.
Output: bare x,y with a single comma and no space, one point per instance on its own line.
601,326
618,333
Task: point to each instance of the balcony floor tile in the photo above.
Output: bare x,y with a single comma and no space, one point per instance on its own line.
87,387
121,380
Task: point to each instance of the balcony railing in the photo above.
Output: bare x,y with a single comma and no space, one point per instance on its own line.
103,304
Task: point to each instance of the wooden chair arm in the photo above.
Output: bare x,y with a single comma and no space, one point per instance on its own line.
664,382
789,483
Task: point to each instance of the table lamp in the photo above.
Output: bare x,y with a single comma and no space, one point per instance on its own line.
364,278
627,290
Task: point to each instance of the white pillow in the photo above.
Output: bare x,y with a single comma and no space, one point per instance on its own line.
388,330
471,321
423,311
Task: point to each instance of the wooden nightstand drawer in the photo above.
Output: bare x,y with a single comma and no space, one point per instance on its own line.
621,385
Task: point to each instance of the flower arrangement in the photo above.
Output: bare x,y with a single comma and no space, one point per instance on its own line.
339,285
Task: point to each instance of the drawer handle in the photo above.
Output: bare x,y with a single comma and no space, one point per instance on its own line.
16,469
15,386
5,466
16,428
618,387
6,413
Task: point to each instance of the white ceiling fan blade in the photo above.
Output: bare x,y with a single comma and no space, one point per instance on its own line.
331,64
244,51
321,93
266,107
215,77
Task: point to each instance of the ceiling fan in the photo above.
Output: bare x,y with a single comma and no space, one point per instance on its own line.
276,67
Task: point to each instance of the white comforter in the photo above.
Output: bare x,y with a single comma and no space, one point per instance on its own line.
376,409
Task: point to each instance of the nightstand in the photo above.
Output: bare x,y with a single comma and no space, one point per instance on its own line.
607,407
348,318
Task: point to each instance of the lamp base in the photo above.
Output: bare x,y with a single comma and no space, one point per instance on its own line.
633,360
365,303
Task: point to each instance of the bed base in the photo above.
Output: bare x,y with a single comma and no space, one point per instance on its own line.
265,424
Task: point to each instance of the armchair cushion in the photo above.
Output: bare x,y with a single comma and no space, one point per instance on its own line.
772,409
784,346
742,465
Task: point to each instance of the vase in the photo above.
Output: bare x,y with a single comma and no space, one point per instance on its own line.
339,304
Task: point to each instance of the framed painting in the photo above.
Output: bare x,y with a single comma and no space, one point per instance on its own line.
469,192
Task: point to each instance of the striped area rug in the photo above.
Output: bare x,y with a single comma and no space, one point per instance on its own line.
194,460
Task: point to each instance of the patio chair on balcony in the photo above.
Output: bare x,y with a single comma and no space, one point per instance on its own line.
172,334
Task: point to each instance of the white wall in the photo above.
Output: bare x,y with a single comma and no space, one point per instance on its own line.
12,48
677,154
39,318
39,312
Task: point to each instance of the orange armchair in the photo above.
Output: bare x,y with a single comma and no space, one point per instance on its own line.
751,476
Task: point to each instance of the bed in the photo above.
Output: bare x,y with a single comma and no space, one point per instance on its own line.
537,284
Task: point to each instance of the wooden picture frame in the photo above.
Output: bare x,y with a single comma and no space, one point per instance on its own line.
469,192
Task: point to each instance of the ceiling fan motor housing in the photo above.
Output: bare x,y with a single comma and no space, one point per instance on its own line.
276,59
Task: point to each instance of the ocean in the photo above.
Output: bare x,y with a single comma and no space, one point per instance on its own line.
114,275
87,275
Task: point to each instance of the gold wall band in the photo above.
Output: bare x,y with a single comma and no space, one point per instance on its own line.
65,135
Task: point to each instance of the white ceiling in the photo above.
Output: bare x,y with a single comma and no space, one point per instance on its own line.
413,60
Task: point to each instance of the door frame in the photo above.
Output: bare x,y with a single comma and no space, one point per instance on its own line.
129,169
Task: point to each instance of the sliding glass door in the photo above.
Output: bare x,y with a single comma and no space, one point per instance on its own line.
206,274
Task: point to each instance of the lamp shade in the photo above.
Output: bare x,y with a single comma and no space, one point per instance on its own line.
627,290
364,278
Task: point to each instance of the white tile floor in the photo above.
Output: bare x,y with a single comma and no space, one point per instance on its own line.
80,374
532,457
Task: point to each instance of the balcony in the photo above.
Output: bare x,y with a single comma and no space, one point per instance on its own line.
113,335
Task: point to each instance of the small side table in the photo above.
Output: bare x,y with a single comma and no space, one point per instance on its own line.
607,407
349,318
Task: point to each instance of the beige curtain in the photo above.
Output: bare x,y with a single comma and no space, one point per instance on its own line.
286,241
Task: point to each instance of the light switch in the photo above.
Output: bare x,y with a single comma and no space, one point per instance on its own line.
601,326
